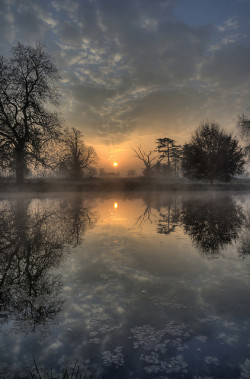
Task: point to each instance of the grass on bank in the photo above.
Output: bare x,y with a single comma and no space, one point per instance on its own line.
74,373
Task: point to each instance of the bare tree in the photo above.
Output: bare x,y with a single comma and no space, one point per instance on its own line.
147,159
131,172
27,85
77,159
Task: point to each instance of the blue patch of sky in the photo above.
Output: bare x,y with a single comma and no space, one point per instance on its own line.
200,12
216,13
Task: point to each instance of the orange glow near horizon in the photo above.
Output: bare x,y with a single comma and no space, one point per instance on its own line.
122,153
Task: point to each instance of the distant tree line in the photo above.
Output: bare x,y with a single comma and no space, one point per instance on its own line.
211,154
31,133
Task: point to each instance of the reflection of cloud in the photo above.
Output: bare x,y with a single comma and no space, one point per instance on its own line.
139,303
115,357
33,237
152,343
245,369
230,339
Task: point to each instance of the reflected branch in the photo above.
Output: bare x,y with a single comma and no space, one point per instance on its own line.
32,240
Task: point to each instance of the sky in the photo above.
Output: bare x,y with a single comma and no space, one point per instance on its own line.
136,70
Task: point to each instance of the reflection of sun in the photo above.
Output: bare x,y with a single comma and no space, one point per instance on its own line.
115,164
115,205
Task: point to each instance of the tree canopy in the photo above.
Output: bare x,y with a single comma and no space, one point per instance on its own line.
27,87
169,156
212,154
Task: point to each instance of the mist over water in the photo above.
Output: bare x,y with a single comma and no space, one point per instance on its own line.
150,285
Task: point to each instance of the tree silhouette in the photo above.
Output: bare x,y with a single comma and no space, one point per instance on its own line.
211,222
164,147
32,241
169,156
131,173
244,127
147,159
212,154
176,158
76,159
27,84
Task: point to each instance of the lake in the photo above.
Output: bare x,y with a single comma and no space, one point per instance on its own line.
147,285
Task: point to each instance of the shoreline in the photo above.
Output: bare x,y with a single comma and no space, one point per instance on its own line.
118,185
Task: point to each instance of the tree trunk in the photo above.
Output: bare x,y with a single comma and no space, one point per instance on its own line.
19,166
211,181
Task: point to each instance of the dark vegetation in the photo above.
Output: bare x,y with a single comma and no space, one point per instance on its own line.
27,84
31,133
34,143
74,373
212,154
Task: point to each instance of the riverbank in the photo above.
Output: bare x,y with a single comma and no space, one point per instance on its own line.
119,184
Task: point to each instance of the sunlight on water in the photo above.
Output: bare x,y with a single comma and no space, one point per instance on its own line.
157,287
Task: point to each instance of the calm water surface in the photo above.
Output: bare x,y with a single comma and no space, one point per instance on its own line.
129,286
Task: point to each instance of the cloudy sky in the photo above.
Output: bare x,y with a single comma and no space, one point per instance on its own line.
136,70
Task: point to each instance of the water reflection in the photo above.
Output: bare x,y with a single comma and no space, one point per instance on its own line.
244,248
169,215
212,222
74,218
32,239
137,303
163,211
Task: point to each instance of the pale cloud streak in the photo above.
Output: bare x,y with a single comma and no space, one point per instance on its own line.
135,67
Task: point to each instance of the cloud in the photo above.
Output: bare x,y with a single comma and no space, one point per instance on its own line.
228,67
229,24
127,52
126,65
28,20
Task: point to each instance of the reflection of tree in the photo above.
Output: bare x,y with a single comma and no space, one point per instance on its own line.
212,222
147,215
169,216
32,241
244,248
164,212
76,218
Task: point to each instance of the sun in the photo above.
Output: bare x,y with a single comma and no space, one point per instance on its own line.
115,164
